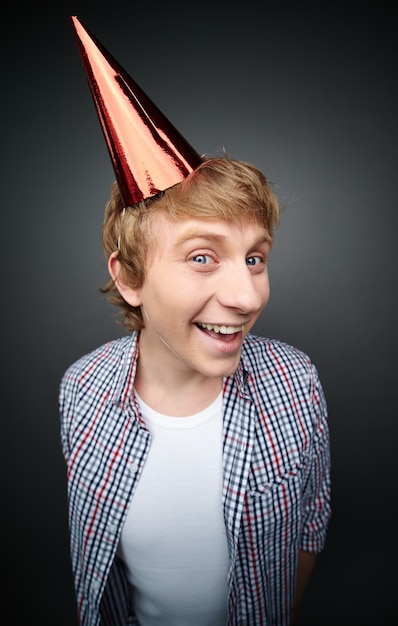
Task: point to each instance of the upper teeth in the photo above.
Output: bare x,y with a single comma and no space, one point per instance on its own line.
225,330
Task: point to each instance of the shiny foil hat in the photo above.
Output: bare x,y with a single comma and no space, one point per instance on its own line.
148,154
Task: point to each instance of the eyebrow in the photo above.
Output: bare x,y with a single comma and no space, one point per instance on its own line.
211,236
199,234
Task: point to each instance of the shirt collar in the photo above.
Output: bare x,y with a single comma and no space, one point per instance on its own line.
124,379
241,378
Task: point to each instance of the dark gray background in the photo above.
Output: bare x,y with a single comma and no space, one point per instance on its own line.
309,96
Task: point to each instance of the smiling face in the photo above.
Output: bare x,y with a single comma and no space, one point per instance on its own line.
206,282
219,189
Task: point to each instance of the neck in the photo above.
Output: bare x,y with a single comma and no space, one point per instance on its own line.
173,389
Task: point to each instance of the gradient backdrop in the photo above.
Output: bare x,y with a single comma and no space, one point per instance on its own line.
310,97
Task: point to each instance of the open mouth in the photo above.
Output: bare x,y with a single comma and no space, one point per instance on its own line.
222,330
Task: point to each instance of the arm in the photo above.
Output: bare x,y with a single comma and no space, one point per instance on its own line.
306,563
317,497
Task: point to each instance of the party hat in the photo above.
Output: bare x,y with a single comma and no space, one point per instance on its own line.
148,153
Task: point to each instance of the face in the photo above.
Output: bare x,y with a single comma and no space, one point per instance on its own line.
205,286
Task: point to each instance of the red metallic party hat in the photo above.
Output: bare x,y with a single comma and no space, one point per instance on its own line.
147,152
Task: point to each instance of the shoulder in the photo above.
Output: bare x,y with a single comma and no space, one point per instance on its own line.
275,367
98,365
262,353
89,387
283,382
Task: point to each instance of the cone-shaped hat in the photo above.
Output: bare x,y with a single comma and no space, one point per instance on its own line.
147,152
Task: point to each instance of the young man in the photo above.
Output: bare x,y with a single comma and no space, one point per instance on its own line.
197,453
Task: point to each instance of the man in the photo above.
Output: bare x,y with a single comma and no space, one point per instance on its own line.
197,453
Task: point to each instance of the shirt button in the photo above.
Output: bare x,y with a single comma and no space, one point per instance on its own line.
133,467
112,528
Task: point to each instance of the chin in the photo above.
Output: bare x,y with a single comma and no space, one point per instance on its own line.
222,372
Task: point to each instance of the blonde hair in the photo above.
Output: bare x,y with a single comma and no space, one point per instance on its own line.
220,188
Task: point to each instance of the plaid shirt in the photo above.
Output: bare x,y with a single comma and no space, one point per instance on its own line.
276,494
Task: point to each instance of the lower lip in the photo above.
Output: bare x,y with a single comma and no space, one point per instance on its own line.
227,344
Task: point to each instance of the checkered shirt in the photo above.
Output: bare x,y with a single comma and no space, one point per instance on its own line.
276,494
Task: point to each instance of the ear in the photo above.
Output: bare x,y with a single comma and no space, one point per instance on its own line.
128,293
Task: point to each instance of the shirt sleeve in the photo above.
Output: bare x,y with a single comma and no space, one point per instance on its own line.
67,398
317,487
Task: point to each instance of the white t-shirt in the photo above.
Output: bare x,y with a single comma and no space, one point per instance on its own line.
173,541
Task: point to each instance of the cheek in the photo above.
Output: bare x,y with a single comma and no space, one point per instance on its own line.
266,295
264,290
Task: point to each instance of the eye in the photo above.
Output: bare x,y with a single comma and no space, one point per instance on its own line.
202,259
254,260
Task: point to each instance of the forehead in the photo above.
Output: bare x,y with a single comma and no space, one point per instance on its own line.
170,233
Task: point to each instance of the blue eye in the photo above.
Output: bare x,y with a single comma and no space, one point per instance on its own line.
203,259
253,260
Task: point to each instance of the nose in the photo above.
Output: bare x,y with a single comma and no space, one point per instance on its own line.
243,291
